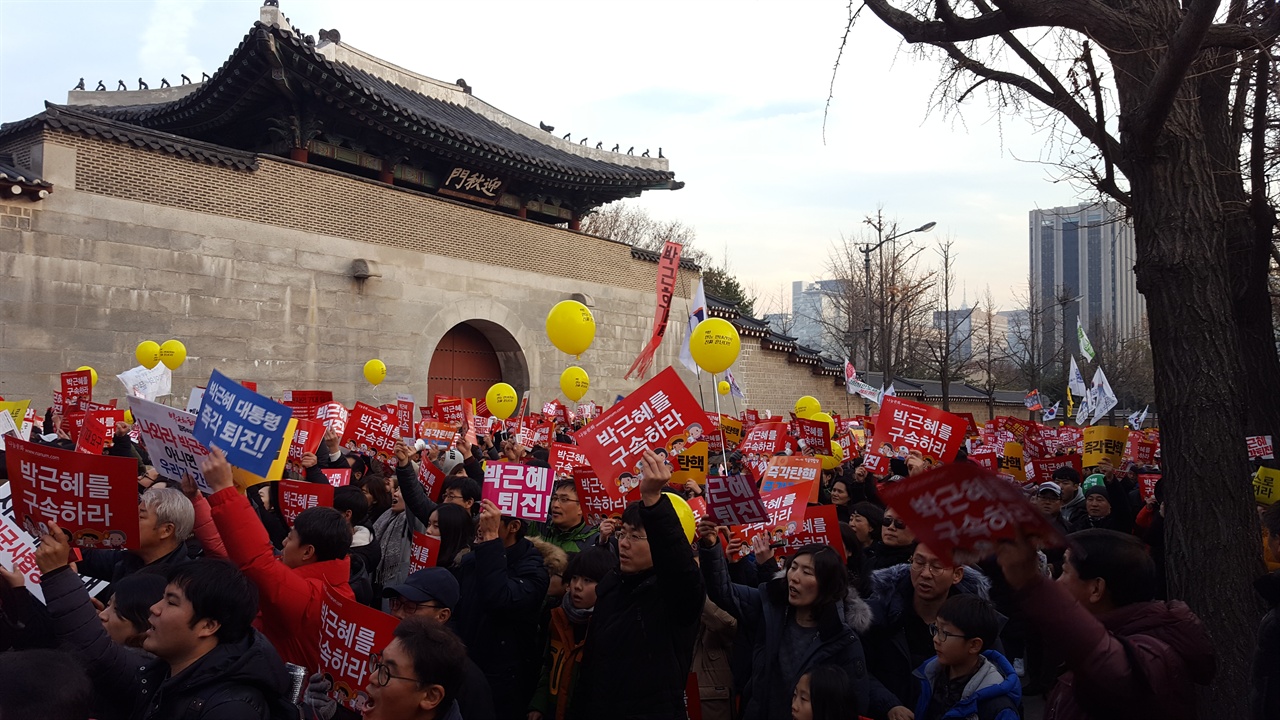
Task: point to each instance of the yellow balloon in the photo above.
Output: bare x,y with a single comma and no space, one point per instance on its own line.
148,354
128,416
574,383
375,371
823,417
714,345
807,406
93,374
685,513
502,400
571,327
723,388
829,462
173,353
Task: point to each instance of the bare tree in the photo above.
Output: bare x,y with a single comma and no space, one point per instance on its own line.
947,353
991,367
636,227
1159,123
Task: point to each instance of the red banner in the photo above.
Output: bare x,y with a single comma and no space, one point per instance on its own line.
431,478
404,413
599,500
298,495
77,389
904,425
785,507
448,409
371,431
349,633
306,439
648,418
787,470
821,526
960,508
535,433
668,269
564,458
987,458
337,477
93,436
734,500
1042,469
93,498
1147,485
425,552
767,438
520,491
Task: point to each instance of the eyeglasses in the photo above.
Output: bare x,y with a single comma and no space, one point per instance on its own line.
410,607
920,565
564,499
936,631
894,523
380,674
452,496
633,537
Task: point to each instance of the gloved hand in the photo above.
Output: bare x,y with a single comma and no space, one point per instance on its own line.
317,696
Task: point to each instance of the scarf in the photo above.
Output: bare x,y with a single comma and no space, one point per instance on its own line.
575,616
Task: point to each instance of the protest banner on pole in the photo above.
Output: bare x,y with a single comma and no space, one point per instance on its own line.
248,427
404,413
599,500
668,270
298,495
960,511
425,552
1103,442
349,633
646,419
169,435
734,500
93,498
337,477
519,490
371,431
791,469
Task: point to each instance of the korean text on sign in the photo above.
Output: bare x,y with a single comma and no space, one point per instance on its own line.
764,439
425,552
646,419
734,500
372,431
297,496
564,458
1102,442
821,525
18,551
936,434
93,498
520,491
599,500
785,506
349,633
1259,446
247,426
791,469
169,434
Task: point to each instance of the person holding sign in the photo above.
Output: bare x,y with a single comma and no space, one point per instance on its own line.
292,587
640,648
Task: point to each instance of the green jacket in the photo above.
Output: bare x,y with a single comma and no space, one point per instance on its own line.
575,539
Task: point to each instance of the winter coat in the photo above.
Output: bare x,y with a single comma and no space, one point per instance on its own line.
640,648
560,668
889,655
497,618
763,614
575,539
112,565
880,556
711,662
289,598
365,555
1140,660
1264,693
1073,510
243,680
994,693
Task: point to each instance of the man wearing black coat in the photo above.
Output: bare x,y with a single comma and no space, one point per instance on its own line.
640,645
1264,693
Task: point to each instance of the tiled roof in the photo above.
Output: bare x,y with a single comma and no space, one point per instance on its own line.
11,175
653,257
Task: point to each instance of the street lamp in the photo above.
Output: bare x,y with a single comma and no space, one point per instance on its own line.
866,250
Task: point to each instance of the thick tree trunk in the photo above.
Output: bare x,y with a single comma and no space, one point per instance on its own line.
1212,546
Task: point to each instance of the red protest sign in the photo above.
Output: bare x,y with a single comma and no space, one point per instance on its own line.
972,429
820,526
431,478
520,491
768,438
77,388
297,495
349,633
787,470
815,434
734,500
448,409
535,433
404,413
904,425
564,457
334,417
92,497
599,500
987,457
1259,446
424,553
646,419
337,477
1147,485
959,508
1144,453
306,439
303,398
785,508
93,436
371,431
1043,468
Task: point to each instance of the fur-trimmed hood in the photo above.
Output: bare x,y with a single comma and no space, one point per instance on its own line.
855,612
891,590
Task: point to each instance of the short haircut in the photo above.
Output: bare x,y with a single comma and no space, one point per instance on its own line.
218,591
169,505
351,498
565,485
1270,519
843,481
592,564
973,616
1067,473
44,685
831,693
135,594
469,489
326,530
435,651
631,516
1119,559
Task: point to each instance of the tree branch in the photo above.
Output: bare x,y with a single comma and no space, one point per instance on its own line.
1086,16
1241,37
1148,118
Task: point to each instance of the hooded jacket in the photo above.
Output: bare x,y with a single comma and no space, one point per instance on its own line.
981,698
289,598
1264,692
892,598
763,613
1140,660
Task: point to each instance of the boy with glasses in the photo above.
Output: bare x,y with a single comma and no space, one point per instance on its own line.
967,678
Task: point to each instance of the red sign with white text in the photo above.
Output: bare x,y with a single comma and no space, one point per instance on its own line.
821,526
298,495
1260,447
767,438
92,497
448,410
349,633
904,425
431,478
564,458
1042,469
815,434
337,477
334,417
77,389
734,500
599,500
785,506
306,439
425,552
371,431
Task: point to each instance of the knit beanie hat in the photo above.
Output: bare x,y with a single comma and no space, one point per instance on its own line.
1098,490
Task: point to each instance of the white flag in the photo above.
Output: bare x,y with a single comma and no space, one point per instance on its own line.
1105,399
147,384
1085,408
1086,347
1136,419
880,396
1075,380
697,313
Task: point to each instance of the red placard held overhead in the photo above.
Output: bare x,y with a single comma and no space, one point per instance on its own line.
334,417
815,434
785,506
449,409
77,389
337,477
349,633
564,458
767,438
791,469
297,495
306,439
904,425
431,478
599,500
821,526
734,500
1043,468
372,431
93,498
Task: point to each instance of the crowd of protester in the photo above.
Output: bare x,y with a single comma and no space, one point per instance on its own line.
560,619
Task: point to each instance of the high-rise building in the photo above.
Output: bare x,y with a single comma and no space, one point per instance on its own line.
813,311
1082,266
970,334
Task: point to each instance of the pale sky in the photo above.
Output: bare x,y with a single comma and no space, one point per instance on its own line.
732,92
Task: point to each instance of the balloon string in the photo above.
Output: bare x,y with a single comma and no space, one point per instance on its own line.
724,446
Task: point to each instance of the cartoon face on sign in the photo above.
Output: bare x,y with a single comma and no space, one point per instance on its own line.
692,433
628,482
676,446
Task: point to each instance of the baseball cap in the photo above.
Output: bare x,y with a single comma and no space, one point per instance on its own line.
1049,487
435,583
449,460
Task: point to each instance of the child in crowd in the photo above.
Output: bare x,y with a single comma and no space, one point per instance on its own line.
965,679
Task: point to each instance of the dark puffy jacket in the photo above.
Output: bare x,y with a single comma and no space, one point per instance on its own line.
502,590
1141,660
640,647
111,565
1264,693
245,680
762,615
